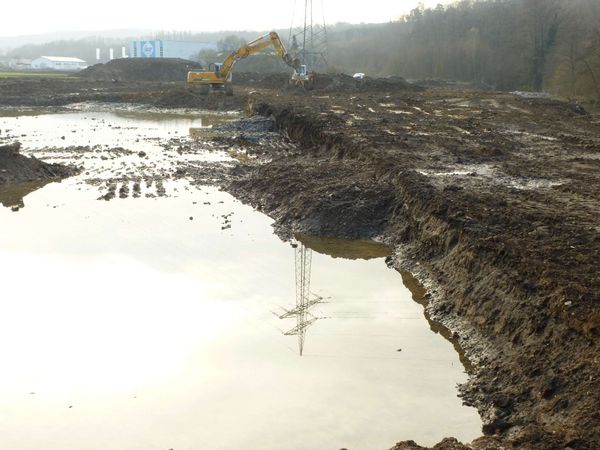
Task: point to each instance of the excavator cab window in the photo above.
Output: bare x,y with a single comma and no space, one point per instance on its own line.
301,70
215,67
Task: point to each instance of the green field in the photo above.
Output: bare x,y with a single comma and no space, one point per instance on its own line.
9,74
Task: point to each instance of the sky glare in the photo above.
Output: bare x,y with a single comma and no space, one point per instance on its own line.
23,18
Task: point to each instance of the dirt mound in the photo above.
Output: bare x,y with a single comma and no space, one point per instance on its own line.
343,82
183,97
327,83
141,69
16,168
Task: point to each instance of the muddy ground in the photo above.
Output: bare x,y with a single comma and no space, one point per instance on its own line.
49,92
17,168
492,200
140,69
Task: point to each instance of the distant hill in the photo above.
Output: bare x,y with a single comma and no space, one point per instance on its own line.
83,44
11,42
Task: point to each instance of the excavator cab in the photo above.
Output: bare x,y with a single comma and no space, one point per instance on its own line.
302,77
211,80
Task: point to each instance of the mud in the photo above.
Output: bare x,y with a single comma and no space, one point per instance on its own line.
326,83
141,69
161,83
29,92
490,199
17,168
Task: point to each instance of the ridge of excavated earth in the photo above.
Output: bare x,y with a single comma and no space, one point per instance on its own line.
492,201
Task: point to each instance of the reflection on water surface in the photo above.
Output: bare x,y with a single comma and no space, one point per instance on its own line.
12,195
127,325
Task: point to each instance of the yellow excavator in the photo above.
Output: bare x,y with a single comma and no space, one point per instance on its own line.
219,75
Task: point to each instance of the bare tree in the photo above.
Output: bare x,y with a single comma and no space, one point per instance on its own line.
541,22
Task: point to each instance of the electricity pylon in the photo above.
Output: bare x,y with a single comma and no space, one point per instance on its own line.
308,39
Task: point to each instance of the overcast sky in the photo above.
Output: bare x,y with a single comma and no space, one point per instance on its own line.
22,17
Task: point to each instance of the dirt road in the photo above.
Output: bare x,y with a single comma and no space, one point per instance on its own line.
492,200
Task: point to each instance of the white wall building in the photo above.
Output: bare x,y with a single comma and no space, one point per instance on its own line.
19,64
58,63
168,49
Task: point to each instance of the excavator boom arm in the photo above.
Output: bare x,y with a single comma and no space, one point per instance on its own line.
257,45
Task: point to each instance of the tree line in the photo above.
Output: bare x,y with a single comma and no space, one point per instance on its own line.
534,45
537,45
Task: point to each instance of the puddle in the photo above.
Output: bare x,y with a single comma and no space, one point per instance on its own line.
400,112
463,170
493,176
419,296
178,322
527,94
128,129
532,136
129,151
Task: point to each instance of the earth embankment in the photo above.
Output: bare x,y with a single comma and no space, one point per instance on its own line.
493,201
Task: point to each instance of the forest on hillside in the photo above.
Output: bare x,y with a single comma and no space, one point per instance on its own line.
551,45
539,45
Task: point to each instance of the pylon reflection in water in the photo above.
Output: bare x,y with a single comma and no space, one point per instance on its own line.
304,302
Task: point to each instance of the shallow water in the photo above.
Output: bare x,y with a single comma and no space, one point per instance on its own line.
104,127
152,323
117,145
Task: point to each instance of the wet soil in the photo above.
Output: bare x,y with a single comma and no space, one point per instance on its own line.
124,152
339,82
17,168
490,199
161,83
29,92
141,69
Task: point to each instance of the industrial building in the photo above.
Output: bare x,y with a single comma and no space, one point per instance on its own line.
58,63
19,64
168,49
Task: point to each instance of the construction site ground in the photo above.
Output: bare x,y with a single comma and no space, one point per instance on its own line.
491,199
